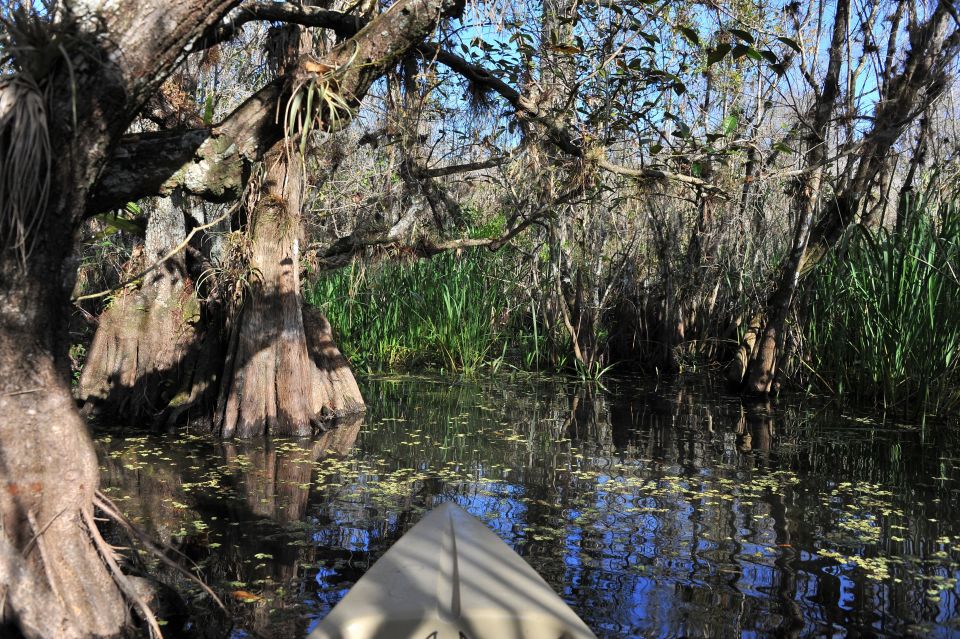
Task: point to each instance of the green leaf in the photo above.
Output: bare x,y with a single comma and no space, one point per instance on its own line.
730,124
783,148
746,36
769,56
717,53
690,34
790,43
651,38
743,50
132,227
116,224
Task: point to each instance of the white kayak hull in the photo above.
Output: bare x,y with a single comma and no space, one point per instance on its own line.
451,577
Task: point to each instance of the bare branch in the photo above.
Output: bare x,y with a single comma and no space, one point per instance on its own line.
558,133
442,171
343,24
347,247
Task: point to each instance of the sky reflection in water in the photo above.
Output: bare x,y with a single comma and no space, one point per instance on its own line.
654,512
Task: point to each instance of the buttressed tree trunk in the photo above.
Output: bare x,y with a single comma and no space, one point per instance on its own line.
57,577
147,337
275,380
101,61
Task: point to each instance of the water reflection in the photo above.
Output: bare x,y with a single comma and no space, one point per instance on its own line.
671,511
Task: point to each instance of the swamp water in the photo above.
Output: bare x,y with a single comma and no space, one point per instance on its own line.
669,512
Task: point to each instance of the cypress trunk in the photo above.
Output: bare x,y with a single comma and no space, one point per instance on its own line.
276,379
147,338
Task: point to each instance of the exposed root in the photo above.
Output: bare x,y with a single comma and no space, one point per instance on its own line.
38,612
38,533
122,581
104,503
44,555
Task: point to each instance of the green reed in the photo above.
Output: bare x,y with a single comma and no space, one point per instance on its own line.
451,311
884,314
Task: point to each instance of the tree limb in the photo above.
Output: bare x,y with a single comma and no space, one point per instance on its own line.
343,24
346,247
560,135
453,169
213,163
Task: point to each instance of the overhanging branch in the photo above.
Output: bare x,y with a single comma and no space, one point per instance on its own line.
343,24
559,134
213,163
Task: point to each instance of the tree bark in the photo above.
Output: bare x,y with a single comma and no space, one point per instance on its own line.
56,580
761,371
907,95
273,382
147,338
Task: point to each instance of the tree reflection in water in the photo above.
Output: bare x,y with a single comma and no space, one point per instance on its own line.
653,511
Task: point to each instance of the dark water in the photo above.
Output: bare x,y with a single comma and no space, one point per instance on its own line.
670,512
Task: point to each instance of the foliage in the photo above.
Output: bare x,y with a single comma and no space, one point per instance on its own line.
25,162
450,312
884,314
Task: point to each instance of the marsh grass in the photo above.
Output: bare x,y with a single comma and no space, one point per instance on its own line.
450,312
884,314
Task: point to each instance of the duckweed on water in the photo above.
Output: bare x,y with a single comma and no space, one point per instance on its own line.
691,515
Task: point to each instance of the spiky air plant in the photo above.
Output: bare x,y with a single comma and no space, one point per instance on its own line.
315,102
25,160
25,156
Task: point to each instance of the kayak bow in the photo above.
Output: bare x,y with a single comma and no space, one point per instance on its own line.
451,577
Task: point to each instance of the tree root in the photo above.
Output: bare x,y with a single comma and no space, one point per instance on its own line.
122,581
37,611
44,555
110,509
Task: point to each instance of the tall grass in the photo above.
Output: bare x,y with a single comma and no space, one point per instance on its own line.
451,311
884,314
